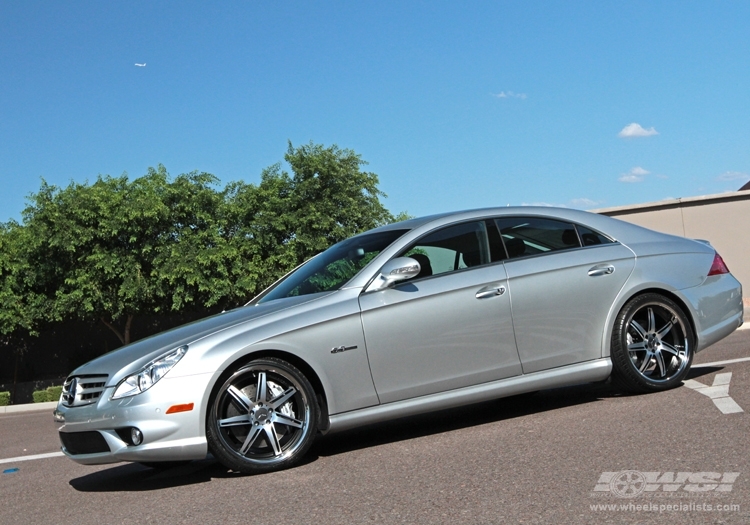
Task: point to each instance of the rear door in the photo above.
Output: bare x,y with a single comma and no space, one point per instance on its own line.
563,279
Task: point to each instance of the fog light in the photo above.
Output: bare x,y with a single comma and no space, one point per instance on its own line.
136,437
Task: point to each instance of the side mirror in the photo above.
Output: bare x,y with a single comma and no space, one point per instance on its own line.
398,269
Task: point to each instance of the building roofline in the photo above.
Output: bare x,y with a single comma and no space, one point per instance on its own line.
676,203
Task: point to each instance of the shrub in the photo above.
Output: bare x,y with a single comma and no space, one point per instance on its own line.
4,399
49,394
40,396
54,392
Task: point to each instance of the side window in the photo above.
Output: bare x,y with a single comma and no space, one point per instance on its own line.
451,248
524,236
590,237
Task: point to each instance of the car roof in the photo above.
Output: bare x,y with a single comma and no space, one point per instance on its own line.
621,231
529,211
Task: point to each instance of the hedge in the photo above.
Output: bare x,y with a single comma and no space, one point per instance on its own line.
4,399
49,394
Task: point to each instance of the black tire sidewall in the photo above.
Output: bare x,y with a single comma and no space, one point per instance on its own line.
228,457
623,369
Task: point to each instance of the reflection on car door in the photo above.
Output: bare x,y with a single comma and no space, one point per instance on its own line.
441,332
561,301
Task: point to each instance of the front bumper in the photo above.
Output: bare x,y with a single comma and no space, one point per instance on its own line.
98,433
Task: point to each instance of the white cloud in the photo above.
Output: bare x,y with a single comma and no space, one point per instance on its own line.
141,65
509,94
636,174
541,203
579,204
636,130
583,203
733,175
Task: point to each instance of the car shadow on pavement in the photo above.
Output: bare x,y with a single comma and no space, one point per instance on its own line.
134,477
700,370
474,415
463,417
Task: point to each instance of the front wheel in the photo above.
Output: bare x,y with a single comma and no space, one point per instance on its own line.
262,418
652,344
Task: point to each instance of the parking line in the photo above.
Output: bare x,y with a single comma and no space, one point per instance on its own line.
29,458
719,363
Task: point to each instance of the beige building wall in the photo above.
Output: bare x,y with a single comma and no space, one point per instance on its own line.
723,220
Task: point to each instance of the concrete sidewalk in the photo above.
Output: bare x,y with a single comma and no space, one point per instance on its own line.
31,407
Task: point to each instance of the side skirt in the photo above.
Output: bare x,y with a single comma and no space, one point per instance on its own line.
590,371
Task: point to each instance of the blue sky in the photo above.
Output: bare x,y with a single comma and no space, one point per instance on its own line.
453,104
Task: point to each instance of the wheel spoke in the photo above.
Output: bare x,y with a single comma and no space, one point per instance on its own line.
262,392
239,398
660,362
251,437
667,327
282,398
243,419
272,438
638,328
669,348
283,419
651,321
646,362
637,347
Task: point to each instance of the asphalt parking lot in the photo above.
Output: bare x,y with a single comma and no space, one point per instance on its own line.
584,454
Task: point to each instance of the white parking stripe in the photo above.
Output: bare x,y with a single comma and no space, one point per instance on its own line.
718,392
29,458
719,363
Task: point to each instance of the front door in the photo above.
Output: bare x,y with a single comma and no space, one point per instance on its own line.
449,327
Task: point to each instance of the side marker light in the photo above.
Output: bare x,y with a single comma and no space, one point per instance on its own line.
187,407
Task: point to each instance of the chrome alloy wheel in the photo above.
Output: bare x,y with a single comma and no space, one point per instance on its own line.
657,342
263,417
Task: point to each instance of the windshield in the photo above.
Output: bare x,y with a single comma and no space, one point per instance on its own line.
331,269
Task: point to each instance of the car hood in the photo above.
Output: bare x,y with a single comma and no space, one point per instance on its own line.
131,358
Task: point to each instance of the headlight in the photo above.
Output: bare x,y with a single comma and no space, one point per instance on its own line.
149,374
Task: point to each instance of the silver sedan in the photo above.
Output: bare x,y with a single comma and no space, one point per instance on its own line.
417,316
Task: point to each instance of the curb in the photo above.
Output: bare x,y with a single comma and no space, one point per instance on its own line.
31,407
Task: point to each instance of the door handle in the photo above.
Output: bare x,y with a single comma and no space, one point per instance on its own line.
490,291
602,269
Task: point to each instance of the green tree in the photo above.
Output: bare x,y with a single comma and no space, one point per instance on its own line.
96,247
288,218
19,308
117,249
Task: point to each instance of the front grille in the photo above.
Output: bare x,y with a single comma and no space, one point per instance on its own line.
83,390
83,442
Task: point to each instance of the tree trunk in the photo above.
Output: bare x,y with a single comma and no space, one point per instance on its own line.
128,324
123,336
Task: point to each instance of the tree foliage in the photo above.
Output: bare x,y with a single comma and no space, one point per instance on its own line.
120,248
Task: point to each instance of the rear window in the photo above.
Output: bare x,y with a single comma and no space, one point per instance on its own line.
524,236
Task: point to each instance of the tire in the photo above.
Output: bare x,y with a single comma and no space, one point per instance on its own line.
652,344
262,418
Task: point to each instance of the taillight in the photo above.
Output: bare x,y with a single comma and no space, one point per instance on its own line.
719,266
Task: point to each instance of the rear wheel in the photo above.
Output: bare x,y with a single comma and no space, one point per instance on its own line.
652,344
263,417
